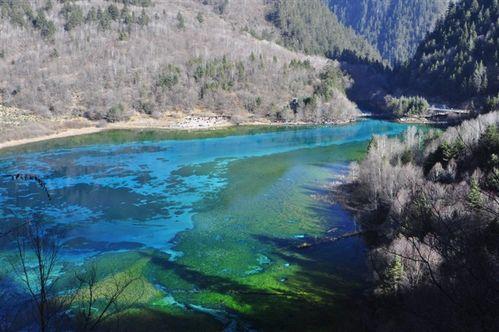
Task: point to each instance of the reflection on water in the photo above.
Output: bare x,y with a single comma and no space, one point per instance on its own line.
218,206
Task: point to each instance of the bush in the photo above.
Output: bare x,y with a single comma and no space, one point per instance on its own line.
169,77
73,14
46,27
491,104
407,106
145,107
93,115
332,79
116,114
180,21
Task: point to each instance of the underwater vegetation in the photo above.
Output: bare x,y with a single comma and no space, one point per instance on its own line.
207,226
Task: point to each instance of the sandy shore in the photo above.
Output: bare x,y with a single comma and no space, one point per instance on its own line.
169,122
186,123
65,133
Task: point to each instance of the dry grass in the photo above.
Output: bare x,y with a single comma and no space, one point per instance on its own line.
90,70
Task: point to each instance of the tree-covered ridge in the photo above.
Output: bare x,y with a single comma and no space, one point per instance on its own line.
430,204
25,15
310,26
108,60
395,27
459,59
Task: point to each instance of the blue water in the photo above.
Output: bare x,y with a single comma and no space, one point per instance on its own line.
208,217
130,195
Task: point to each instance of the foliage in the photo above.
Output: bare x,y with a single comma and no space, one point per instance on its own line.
491,103
407,106
21,14
46,27
142,3
331,79
311,27
395,27
99,54
219,6
200,17
436,238
116,114
459,59
474,195
180,21
169,77
73,14
393,275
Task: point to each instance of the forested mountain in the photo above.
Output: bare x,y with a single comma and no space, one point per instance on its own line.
395,27
111,59
430,203
311,27
458,61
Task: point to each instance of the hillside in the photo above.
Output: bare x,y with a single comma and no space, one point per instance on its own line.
311,27
429,201
106,60
394,27
458,61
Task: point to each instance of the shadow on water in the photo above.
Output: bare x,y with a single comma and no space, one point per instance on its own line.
312,289
322,293
308,302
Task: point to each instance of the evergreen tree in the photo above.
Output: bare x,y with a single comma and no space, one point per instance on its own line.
395,27
479,78
459,59
310,26
180,21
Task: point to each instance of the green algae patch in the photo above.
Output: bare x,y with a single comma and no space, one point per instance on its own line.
242,253
211,230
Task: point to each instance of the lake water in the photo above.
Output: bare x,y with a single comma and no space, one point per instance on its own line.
210,221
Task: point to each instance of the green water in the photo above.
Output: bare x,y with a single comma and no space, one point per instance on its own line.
209,221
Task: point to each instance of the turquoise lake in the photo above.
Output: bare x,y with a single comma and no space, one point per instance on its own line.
209,221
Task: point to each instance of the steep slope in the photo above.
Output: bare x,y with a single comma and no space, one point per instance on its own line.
395,27
311,27
110,59
432,201
458,61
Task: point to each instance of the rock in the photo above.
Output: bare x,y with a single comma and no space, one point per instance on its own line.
253,270
262,259
304,245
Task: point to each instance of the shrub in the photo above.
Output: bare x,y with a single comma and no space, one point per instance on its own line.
73,14
46,27
145,107
200,17
407,106
116,113
169,77
180,21
491,104
332,79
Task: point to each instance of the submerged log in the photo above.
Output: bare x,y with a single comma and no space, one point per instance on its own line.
327,239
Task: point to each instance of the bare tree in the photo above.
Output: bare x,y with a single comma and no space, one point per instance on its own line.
86,305
35,265
95,305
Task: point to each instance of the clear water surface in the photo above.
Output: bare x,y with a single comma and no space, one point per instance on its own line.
209,220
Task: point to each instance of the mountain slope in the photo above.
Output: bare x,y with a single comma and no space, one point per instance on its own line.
395,27
106,60
458,61
311,27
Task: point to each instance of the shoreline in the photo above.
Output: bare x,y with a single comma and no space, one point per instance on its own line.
187,124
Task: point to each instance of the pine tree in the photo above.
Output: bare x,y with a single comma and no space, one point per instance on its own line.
180,21
479,78
474,196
